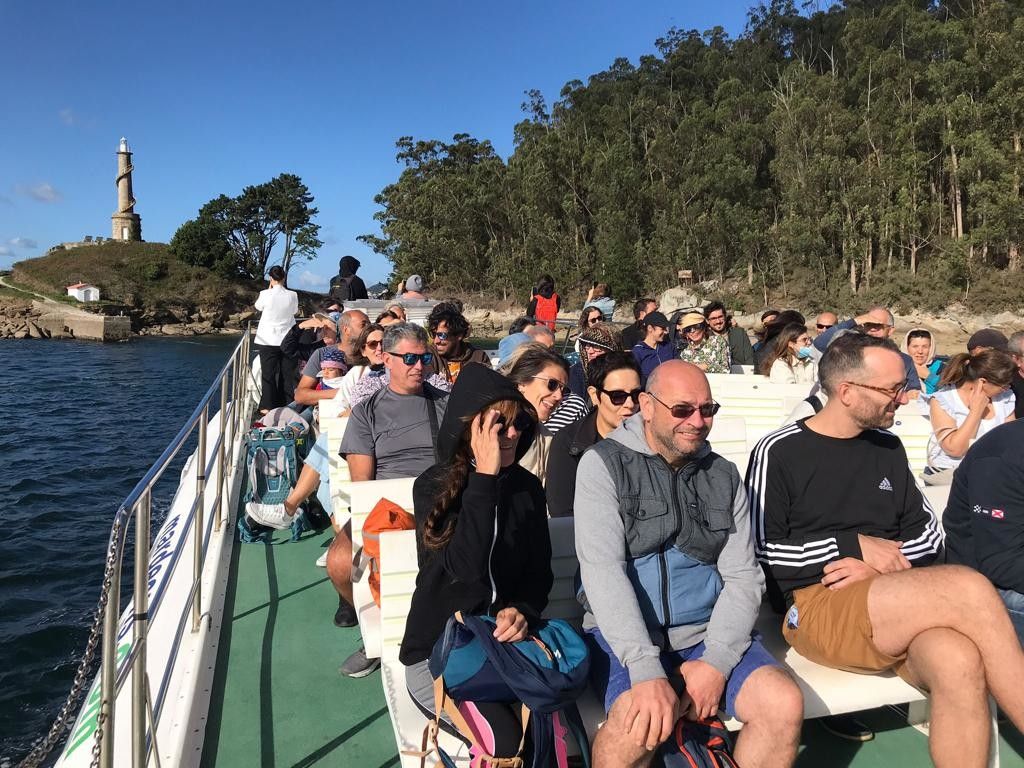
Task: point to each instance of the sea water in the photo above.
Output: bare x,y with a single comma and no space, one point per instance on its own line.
80,423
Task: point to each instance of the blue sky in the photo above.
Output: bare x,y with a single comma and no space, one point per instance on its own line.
217,95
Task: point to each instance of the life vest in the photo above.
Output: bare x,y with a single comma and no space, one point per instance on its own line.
546,310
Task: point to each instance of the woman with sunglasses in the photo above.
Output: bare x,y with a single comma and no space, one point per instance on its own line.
481,540
708,351
615,393
790,360
974,398
589,317
369,362
541,376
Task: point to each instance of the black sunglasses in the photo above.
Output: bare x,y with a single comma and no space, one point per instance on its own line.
553,384
619,396
685,410
411,358
521,422
823,327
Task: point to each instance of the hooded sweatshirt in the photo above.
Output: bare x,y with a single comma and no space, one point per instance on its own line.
930,384
500,553
666,556
346,285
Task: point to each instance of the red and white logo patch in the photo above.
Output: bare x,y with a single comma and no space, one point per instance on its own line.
998,514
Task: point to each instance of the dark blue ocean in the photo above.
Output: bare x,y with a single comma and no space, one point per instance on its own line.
80,423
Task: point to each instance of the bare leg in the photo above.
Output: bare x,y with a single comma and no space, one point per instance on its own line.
305,486
339,562
771,708
905,604
948,665
613,747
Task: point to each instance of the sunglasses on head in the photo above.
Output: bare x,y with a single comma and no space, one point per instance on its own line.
822,326
685,410
411,358
553,384
521,422
620,396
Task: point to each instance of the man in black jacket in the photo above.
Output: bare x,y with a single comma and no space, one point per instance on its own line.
984,519
634,334
842,530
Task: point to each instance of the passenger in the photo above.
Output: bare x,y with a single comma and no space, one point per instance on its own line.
542,335
414,288
708,351
658,653
772,330
481,540
1016,347
767,318
984,519
332,370
615,394
347,285
789,361
544,303
392,434
600,296
591,343
655,348
541,376
398,311
449,329
986,338
921,347
880,323
277,307
974,398
519,325
386,318
635,333
838,523
824,321
369,362
740,350
350,325
306,337
508,345
589,317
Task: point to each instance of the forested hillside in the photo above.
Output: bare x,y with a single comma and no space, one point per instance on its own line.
868,150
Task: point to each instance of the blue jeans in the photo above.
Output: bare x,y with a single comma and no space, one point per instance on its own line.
1015,605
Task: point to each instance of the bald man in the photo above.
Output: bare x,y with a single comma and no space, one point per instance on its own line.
655,505
824,321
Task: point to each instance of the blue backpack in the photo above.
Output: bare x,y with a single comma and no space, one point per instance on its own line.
701,744
546,673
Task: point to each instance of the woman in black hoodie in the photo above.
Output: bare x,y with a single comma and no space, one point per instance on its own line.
481,536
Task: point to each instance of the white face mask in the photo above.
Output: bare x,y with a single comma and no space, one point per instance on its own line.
333,383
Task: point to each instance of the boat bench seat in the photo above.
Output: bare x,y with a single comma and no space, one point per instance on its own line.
826,691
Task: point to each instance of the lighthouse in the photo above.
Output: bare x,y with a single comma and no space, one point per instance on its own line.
125,224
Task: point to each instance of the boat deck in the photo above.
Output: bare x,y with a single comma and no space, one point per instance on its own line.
278,699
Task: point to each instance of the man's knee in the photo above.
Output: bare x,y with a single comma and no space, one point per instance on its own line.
770,696
339,555
613,738
944,658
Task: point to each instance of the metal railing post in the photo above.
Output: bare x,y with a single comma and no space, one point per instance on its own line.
108,670
140,628
197,528
223,421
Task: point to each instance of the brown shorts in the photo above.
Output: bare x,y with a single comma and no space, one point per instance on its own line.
833,629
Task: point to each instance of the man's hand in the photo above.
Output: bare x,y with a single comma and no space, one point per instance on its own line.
652,712
511,626
704,684
847,571
882,555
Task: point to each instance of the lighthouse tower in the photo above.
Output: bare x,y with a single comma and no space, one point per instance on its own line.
125,224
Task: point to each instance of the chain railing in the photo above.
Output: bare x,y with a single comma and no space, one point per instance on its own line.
230,388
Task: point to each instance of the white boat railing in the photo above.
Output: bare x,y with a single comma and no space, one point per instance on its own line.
230,391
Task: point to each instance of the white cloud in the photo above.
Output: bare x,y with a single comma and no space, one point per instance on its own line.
68,116
5,251
24,242
308,280
43,192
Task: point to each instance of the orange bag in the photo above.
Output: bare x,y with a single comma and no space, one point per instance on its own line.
385,516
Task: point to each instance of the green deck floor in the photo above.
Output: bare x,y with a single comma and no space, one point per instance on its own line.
279,701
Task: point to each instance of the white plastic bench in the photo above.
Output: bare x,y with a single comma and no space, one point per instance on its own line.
364,496
338,476
728,438
826,691
914,431
761,404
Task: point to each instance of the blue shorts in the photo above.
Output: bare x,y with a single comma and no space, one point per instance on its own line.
610,679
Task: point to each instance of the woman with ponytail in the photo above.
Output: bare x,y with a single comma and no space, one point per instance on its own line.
481,537
973,399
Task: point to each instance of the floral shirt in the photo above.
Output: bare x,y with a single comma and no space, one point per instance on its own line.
712,353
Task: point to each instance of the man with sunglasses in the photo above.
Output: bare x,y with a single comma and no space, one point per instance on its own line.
448,329
851,544
880,323
824,321
670,584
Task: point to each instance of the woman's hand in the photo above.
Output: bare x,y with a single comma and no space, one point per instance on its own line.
483,440
979,400
511,625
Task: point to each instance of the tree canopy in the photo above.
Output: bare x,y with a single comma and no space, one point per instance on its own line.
236,235
875,137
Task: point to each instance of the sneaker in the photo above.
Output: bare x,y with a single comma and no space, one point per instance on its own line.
346,615
321,561
357,665
270,515
846,727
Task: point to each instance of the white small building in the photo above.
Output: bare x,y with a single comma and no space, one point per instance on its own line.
84,292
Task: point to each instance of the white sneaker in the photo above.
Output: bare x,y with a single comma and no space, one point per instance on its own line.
322,560
270,515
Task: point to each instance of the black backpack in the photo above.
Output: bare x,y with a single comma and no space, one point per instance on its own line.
341,288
